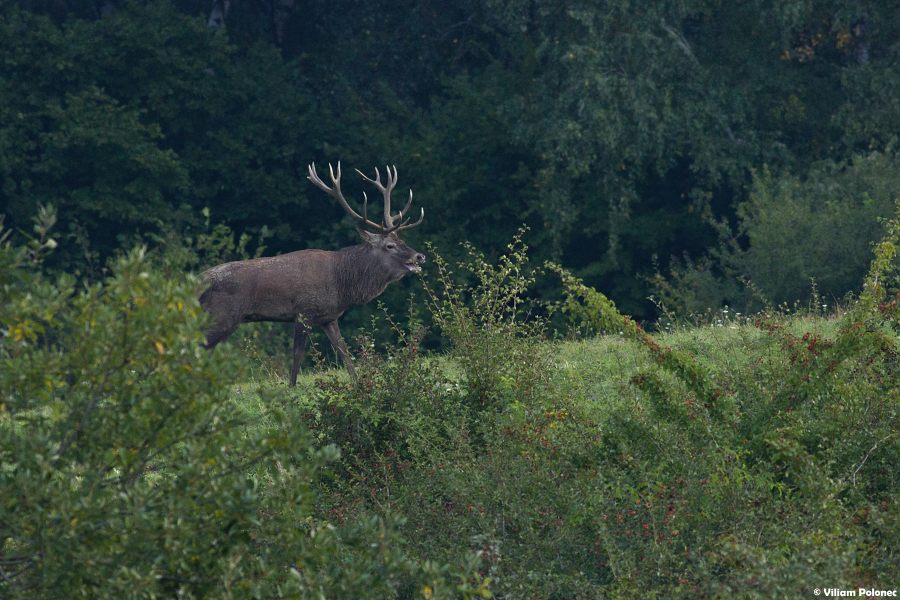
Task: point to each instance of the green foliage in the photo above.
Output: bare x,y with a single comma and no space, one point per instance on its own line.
617,131
143,118
596,313
129,472
735,460
795,238
730,460
492,340
821,230
882,278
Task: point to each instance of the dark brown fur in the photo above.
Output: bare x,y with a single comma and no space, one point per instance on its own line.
308,287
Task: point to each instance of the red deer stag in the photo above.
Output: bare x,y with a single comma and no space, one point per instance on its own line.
314,287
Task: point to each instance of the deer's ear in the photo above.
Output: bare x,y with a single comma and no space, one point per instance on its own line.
368,237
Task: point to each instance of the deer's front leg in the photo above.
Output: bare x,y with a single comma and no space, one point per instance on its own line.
334,335
301,332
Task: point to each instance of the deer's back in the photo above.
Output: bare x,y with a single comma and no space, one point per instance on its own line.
276,288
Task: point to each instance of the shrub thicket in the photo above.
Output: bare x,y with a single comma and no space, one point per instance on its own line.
128,473
741,460
795,238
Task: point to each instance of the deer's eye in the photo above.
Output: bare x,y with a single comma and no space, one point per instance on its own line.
390,246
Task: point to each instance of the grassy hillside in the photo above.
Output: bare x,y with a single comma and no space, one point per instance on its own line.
592,487
754,457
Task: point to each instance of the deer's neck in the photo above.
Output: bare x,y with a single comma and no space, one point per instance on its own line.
361,276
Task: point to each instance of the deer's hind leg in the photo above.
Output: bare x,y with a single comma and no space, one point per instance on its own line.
334,336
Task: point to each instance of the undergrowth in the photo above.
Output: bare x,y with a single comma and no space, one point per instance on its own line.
756,459
753,460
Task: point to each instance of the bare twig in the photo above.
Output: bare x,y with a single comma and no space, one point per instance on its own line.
866,457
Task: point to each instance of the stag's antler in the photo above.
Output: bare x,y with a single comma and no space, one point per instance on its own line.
335,192
391,222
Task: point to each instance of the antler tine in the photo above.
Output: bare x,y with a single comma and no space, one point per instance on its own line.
385,190
317,181
335,180
336,193
398,218
408,204
392,180
391,222
376,182
389,187
404,225
392,183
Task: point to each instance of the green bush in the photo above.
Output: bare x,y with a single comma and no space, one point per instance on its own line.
786,485
495,337
820,229
795,238
737,460
129,472
750,460
415,430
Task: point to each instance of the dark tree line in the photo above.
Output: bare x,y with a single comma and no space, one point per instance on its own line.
630,136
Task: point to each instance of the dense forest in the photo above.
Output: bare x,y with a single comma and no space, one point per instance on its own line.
654,351
705,153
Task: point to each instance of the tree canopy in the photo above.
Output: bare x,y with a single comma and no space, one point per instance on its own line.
622,133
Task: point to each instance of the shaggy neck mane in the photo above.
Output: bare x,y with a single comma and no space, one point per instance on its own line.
359,275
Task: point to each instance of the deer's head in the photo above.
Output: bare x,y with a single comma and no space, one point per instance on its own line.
393,253
387,247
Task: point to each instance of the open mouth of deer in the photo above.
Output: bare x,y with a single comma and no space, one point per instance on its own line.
413,267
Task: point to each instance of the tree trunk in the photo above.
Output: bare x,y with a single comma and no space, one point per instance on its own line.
219,13
281,12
